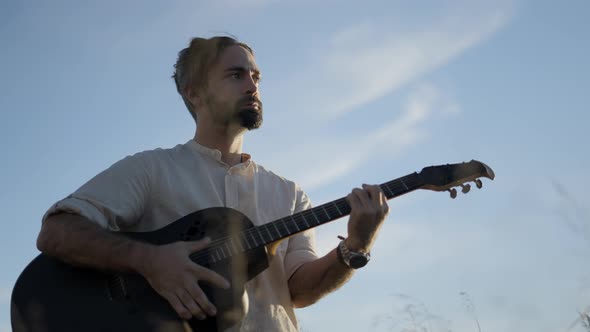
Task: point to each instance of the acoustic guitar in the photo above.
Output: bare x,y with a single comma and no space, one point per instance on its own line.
51,295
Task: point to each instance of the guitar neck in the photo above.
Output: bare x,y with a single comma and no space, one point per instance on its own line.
263,235
437,178
299,222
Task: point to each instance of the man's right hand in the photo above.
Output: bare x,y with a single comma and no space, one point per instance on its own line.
174,276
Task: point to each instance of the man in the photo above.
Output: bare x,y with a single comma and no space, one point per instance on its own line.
218,80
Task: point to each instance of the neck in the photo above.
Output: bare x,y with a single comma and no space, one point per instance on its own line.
229,145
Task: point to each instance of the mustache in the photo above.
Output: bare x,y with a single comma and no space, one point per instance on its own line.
250,99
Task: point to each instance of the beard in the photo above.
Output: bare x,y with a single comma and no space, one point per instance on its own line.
250,117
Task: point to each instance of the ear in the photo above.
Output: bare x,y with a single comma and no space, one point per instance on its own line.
193,96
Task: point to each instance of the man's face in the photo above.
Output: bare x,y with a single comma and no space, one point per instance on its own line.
232,95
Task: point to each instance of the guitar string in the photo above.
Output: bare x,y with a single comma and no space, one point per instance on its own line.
216,244
253,231
302,216
308,213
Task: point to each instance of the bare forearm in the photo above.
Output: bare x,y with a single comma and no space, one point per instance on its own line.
79,241
314,280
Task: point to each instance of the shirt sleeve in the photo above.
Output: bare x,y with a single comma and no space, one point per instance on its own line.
301,247
114,198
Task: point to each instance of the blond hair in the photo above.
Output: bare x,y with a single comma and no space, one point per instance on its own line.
191,70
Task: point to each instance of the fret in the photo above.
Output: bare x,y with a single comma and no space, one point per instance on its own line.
301,221
337,209
257,231
389,189
316,217
294,222
269,230
326,212
305,220
249,243
270,237
278,232
334,213
260,233
286,225
255,237
402,181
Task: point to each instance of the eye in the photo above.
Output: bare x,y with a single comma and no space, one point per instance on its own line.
236,75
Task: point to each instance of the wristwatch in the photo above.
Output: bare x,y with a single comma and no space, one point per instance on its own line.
352,259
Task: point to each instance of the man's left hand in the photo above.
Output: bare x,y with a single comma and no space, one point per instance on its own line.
368,211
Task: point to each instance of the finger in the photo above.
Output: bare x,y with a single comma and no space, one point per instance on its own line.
190,304
210,277
193,246
363,196
383,203
180,309
353,201
201,299
381,199
375,193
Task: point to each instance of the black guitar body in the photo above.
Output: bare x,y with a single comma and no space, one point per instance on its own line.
51,295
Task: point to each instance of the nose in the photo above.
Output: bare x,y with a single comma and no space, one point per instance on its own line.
251,85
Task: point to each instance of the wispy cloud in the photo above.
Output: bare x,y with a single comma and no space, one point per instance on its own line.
363,63
391,138
367,60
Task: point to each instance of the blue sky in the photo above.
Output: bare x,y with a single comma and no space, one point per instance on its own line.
353,93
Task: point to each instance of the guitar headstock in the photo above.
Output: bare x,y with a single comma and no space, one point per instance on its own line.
445,177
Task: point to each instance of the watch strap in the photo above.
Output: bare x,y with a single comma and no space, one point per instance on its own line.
345,256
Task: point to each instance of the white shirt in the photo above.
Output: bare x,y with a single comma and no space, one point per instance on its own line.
151,189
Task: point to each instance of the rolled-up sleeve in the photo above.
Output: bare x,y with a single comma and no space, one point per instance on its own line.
114,198
301,247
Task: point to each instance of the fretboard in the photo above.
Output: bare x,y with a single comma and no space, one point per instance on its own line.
282,228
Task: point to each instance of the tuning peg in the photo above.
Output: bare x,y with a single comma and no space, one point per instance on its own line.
478,183
465,188
453,192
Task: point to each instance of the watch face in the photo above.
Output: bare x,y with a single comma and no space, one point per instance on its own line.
358,261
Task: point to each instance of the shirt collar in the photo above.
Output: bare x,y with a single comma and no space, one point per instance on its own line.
214,153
